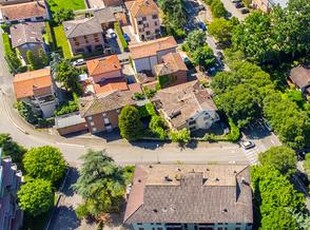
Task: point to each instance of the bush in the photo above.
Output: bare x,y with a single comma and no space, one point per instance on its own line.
10,55
69,107
149,92
119,33
147,110
138,96
158,127
180,136
25,110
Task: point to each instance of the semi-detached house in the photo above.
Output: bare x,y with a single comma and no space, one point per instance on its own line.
145,55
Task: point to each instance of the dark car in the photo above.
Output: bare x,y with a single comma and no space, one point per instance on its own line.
126,37
220,55
244,11
201,8
239,5
202,26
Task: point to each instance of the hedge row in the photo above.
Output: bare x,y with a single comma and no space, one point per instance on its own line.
119,32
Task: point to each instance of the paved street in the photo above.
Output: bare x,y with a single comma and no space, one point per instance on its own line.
230,8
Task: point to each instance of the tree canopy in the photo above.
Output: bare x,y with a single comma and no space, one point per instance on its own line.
129,123
196,39
221,29
203,56
275,198
281,158
44,162
68,76
36,197
11,148
101,183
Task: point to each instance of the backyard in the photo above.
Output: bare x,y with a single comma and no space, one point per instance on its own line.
72,4
61,41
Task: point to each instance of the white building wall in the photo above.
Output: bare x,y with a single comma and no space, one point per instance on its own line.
48,108
144,63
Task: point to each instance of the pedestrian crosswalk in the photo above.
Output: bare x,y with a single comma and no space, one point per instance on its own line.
252,155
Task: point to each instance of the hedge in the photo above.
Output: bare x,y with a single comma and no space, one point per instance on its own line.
7,43
147,110
119,32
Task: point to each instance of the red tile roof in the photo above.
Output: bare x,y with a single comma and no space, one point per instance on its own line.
103,65
109,87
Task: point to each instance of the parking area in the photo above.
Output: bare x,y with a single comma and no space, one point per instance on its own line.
233,11
133,38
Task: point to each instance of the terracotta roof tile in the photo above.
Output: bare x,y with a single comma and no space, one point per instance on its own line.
33,83
151,48
24,11
110,87
103,65
142,8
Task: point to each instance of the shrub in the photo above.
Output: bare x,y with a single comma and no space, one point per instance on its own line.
147,110
69,107
119,33
138,96
10,55
180,136
149,92
157,126
25,110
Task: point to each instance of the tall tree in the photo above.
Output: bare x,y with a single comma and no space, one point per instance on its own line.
196,39
281,158
69,77
36,197
129,123
101,183
45,162
221,29
32,60
11,148
43,58
204,57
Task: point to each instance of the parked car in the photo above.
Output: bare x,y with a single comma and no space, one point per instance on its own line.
220,55
244,11
126,37
239,5
111,33
79,62
246,144
202,26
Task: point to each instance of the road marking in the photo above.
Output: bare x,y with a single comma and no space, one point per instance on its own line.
69,144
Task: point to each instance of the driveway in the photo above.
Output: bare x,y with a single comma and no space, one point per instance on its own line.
129,30
230,8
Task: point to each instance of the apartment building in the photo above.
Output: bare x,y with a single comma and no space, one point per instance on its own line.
190,197
267,5
11,217
144,17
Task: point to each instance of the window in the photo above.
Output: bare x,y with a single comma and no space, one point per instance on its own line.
140,30
237,228
117,110
94,129
77,43
220,228
159,228
146,25
192,122
140,22
148,32
85,37
143,18
141,228
86,41
104,114
74,39
154,16
96,39
139,223
92,123
95,35
157,31
155,23
90,118
238,223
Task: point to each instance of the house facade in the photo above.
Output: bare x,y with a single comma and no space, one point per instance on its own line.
187,105
144,17
36,89
172,71
145,55
25,12
101,112
267,5
11,217
85,36
28,36
190,197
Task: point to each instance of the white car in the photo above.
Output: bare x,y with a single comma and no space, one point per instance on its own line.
246,144
79,62
111,33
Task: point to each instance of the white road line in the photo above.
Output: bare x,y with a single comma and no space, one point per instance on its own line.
69,144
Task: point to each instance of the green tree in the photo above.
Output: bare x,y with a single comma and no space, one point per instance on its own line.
175,16
68,76
101,184
241,103
307,164
204,57
44,162
36,197
281,158
180,136
62,15
158,126
254,38
129,123
221,29
32,60
11,148
218,9
43,58
196,39
26,111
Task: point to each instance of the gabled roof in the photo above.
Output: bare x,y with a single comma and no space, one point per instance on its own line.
142,8
186,100
172,63
33,83
27,32
151,48
300,76
106,102
103,65
82,27
23,11
190,194
105,15
110,87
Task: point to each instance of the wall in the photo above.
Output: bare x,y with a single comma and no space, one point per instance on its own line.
203,120
84,41
144,63
263,5
96,123
48,108
73,129
149,25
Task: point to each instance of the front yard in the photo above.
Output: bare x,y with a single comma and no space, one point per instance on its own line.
55,5
62,42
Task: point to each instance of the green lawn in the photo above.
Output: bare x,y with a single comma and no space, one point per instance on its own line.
61,41
70,4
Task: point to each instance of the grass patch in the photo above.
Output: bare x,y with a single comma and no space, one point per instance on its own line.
120,35
61,42
56,5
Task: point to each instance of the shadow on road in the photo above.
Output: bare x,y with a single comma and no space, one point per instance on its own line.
65,218
256,132
152,145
